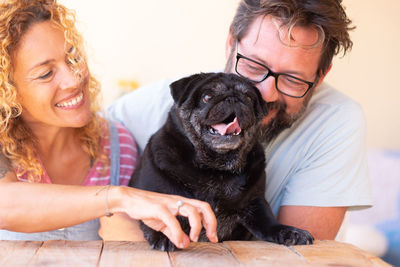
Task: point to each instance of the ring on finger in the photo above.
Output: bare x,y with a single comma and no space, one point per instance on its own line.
179,204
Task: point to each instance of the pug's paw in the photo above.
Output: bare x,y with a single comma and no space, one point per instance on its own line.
158,240
289,236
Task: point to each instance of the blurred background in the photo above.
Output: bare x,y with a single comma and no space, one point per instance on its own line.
131,43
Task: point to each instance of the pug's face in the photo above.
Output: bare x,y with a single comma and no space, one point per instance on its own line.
220,113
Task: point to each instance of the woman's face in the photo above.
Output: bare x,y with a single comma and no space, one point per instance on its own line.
47,89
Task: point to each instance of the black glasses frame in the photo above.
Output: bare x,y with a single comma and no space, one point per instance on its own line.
273,74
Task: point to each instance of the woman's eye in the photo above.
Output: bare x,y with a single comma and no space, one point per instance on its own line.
206,98
46,75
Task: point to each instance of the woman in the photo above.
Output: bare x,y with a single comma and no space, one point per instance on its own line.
58,155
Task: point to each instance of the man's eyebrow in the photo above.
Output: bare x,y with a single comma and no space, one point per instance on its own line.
258,60
296,73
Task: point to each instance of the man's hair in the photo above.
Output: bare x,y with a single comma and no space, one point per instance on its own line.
326,15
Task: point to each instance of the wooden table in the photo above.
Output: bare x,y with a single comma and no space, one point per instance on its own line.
232,253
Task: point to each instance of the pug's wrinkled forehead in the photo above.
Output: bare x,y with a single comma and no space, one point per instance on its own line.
193,86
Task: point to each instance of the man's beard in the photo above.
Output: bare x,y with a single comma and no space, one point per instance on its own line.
282,120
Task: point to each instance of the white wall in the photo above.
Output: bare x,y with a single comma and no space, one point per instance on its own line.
148,40
371,72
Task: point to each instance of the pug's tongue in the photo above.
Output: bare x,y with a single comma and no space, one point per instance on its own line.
230,128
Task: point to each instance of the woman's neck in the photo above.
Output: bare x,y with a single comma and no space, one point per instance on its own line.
55,140
62,155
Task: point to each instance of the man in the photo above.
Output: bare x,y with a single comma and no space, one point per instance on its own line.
313,135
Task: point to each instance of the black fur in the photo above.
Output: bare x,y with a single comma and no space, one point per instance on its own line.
186,157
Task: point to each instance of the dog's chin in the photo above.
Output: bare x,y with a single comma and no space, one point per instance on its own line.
222,143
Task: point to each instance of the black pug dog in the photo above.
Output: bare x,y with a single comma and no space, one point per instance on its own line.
208,149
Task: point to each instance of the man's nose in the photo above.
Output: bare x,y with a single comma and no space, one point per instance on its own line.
268,89
67,78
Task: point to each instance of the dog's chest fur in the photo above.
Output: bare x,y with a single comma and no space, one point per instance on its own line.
227,192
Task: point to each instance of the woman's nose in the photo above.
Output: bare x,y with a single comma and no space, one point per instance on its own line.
67,78
268,89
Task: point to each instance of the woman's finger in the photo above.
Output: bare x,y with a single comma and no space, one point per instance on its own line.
209,220
158,211
173,229
194,217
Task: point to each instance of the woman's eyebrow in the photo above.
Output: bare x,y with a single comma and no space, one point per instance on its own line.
41,64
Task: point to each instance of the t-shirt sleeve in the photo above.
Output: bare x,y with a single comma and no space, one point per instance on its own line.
332,167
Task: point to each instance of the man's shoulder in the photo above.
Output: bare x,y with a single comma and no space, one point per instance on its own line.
331,98
330,114
333,105
144,110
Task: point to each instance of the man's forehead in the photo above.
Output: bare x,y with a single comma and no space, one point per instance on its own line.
305,36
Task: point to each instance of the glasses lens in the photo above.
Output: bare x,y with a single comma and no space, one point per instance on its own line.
291,86
256,72
250,69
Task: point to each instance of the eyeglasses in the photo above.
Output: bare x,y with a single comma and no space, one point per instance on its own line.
285,83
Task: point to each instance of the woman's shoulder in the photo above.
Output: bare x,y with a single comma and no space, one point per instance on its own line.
126,140
127,152
124,135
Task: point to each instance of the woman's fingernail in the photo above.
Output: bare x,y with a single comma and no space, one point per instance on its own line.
215,238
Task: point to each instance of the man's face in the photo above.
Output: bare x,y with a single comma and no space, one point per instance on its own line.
269,46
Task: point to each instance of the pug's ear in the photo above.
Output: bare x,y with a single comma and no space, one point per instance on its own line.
182,87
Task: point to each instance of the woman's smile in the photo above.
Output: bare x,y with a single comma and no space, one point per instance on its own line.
72,103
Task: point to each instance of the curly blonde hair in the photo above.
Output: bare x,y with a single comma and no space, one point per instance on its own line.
16,139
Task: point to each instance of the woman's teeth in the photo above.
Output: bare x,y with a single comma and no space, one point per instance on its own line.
71,102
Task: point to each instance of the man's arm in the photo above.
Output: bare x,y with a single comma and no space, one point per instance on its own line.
321,222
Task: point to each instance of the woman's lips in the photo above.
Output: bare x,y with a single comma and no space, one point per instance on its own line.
71,103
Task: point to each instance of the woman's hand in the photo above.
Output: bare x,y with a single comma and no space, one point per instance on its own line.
159,212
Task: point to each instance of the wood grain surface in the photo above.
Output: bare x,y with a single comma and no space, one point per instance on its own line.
230,254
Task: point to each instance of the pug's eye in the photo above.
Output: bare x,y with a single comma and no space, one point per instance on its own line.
206,98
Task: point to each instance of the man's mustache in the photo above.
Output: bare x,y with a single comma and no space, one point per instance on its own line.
277,105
